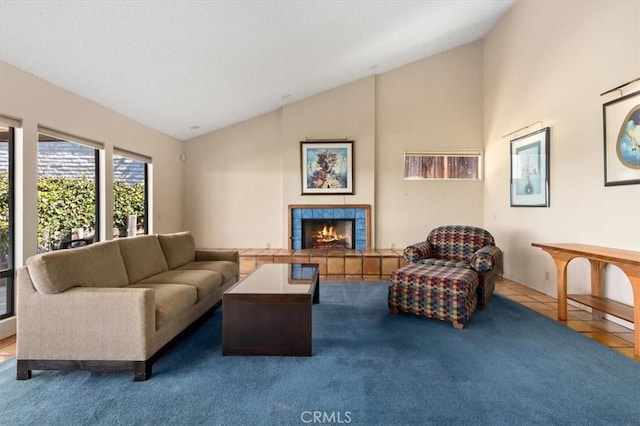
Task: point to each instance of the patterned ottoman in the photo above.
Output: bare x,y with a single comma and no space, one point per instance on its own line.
447,294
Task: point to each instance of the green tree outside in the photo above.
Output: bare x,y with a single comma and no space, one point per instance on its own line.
67,203
128,199
64,204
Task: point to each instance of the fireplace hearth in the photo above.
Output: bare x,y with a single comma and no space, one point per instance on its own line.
351,225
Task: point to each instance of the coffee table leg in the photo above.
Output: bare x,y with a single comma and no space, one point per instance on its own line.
316,292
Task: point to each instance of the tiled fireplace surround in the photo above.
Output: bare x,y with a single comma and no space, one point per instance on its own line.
362,263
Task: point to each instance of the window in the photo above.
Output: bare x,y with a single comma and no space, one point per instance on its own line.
68,202
7,139
130,193
461,165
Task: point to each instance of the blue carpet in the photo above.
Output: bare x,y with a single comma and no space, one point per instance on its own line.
509,365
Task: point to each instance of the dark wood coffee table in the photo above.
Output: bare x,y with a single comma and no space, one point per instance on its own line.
269,311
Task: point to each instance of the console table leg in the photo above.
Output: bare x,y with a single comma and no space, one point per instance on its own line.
597,269
635,285
561,267
633,273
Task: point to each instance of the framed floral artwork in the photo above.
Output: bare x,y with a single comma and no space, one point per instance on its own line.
530,170
621,123
327,167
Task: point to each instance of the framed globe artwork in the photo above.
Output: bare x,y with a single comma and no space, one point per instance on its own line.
621,124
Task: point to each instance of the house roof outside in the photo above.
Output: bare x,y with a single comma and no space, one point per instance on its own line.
71,160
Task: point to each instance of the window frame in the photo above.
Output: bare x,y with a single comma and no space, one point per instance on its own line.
98,148
146,161
443,156
9,273
146,199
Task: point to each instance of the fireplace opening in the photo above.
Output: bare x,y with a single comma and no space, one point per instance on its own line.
327,233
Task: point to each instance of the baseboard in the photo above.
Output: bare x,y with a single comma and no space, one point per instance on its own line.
7,327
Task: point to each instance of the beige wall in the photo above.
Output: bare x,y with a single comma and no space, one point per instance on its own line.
253,168
38,102
233,185
435,103
343,112
549,62
240,180
544,61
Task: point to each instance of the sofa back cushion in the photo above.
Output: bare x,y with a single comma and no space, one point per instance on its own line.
142,257
95,265
458,242
179,248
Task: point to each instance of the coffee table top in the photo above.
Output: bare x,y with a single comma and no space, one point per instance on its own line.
287,278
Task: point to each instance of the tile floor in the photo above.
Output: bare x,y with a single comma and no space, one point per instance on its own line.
605,332
7,348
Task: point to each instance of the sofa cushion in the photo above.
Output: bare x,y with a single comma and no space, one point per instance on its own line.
206,282
171,300
178,248
229,270
95,265
142,257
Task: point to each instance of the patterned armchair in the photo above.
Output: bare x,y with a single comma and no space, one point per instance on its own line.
456,246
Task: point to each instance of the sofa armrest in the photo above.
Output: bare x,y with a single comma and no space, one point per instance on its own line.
418,251
208,254
486,259
85,323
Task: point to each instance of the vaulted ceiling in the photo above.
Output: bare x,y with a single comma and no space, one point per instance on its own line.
178,65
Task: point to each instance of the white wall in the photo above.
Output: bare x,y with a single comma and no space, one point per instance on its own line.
549,62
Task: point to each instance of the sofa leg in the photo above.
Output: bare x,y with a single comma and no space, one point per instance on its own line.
22,371
458,325
394,311
141,370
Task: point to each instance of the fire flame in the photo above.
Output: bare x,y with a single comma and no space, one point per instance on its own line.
328,234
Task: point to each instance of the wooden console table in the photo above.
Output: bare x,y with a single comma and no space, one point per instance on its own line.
628,261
